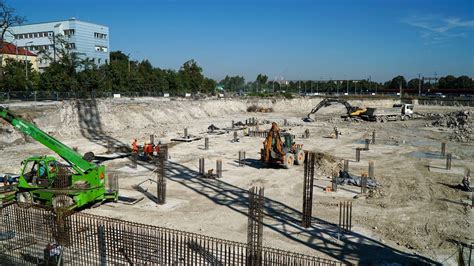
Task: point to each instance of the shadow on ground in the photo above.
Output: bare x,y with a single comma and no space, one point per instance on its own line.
280,218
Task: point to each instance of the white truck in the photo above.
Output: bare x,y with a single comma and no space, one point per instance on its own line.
397,113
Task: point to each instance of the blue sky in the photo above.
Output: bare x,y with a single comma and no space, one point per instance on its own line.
299,39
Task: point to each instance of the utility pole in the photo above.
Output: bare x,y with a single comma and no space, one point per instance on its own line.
54,47
26,64
419,84
400,83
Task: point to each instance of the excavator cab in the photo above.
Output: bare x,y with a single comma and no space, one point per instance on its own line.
288,142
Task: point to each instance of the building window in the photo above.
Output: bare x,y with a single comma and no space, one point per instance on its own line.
98,35
69,33
35,35
71,45
99,48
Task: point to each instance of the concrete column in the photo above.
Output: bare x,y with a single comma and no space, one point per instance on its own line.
448,161
206,143
371,169
219,168
346,165
201,166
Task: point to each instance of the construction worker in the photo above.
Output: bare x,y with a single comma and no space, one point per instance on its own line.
149,149
52,167
466,182
41,170
145,148
135,147
157,149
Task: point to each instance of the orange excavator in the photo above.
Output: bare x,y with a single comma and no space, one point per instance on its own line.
278,152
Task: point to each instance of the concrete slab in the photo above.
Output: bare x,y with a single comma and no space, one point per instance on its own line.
442,169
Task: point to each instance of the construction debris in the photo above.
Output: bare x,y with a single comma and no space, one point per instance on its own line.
212,128
460,121
345,178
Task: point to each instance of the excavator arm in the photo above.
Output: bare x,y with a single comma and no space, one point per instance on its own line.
69,155
351,110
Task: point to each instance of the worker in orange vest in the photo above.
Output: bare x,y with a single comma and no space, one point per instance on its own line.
149,149
135,147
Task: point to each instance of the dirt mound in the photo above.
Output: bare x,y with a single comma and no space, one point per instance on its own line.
256,108
460,121
328,165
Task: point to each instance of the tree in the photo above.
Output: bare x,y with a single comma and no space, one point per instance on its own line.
14,78
62,73
413,84
463,82
261,81
191,76
396,82
8,19
233,83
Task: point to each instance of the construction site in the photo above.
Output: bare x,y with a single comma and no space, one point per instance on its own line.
236,181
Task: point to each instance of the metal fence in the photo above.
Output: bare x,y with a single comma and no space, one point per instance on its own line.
6,96
41,237
70,95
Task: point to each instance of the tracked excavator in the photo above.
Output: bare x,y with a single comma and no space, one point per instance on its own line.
352,111
278,152
48,182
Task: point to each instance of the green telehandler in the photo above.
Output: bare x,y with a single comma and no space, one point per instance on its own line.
48,182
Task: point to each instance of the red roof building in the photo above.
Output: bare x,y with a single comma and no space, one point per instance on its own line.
9,48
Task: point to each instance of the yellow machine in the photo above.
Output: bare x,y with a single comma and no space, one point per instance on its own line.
352,111
285,153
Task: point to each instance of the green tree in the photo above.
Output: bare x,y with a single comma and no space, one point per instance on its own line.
261,81
463,82
8,19
14,78
233,83
396,82
191,76
413,84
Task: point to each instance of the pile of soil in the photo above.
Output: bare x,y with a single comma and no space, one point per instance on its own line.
256,108
328,165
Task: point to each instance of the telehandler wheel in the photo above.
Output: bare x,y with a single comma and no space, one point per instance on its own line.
289,160
62,201
299,157
24,198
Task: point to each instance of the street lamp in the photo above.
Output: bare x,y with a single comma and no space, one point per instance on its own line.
26,62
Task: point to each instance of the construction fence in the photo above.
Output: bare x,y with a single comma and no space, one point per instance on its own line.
34,236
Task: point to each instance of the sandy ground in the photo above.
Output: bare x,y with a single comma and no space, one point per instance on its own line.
417,216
